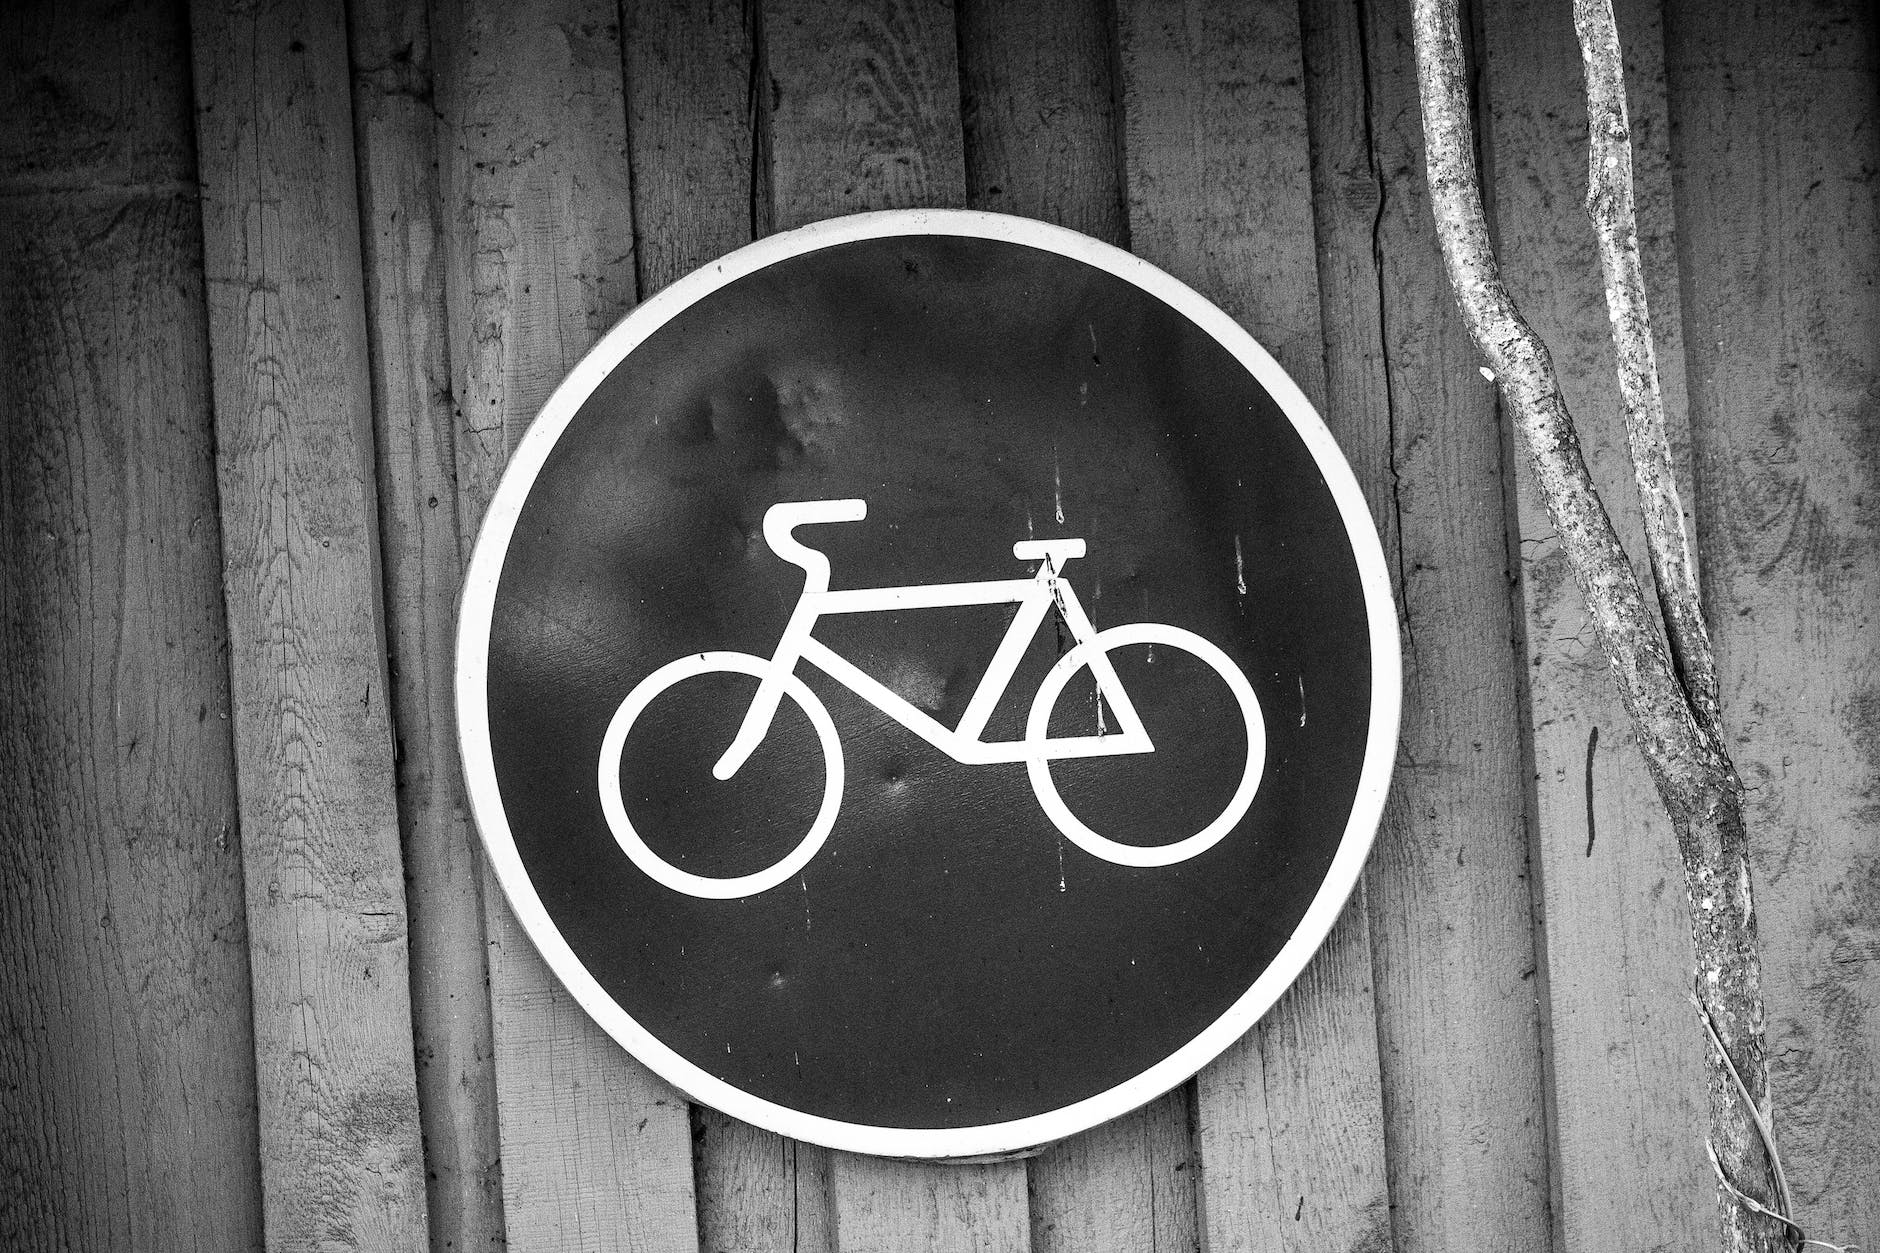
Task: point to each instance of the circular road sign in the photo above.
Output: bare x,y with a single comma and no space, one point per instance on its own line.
927,683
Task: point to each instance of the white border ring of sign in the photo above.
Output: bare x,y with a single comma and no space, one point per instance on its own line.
473,637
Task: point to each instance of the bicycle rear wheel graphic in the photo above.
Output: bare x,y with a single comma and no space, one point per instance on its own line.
1039,766
613,804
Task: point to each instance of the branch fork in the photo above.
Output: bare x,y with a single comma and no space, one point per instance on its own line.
1664,665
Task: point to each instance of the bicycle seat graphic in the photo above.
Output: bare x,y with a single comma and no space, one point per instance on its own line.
1048,589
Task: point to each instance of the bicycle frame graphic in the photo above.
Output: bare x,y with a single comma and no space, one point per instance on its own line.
1035,598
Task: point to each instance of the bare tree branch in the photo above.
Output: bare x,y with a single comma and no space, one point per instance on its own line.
1673,708
1609,204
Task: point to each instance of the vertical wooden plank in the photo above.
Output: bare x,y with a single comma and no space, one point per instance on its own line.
691,131
127,1114
1775,120
414,428
863,108
340,1144
1450,904
596,1149
861,111
1289,1121
881,1205
535,176
1041,140
1126,1185
1626,1062
757,1191
1217,164
1038,94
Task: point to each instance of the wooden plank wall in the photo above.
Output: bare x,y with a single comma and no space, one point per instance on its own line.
126,1030
1773,127
340,1144
284,282
1607,868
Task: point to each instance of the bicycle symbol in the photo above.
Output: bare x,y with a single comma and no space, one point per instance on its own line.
1035,597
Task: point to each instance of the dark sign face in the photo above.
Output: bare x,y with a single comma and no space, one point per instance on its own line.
927,683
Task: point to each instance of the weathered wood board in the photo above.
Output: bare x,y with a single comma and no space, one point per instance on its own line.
693,134
1219,169
340,1142
863,113
1619,1042
532,116
125,1029
402,232
1448,892
1039,106
1776,149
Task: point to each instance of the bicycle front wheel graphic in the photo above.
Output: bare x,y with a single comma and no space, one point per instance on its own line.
613,804
1155,635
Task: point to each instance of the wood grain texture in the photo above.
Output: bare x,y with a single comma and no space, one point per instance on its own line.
880,1205
1294,1115
1347,195
540,246
414,428
692,135
860,109
1626,1072
1774,112
1039,100
127,1107
757,1191
341,1154
1126,1185
1217,164
1288,1121
539,262
1450,905
1042,140
691,132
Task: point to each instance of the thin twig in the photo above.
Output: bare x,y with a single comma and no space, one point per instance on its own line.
1653,695
1743,1198
1786,1197
1609,203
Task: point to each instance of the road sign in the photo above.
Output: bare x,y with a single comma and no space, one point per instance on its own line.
927,683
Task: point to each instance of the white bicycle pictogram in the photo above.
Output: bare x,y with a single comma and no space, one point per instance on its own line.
1035,597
